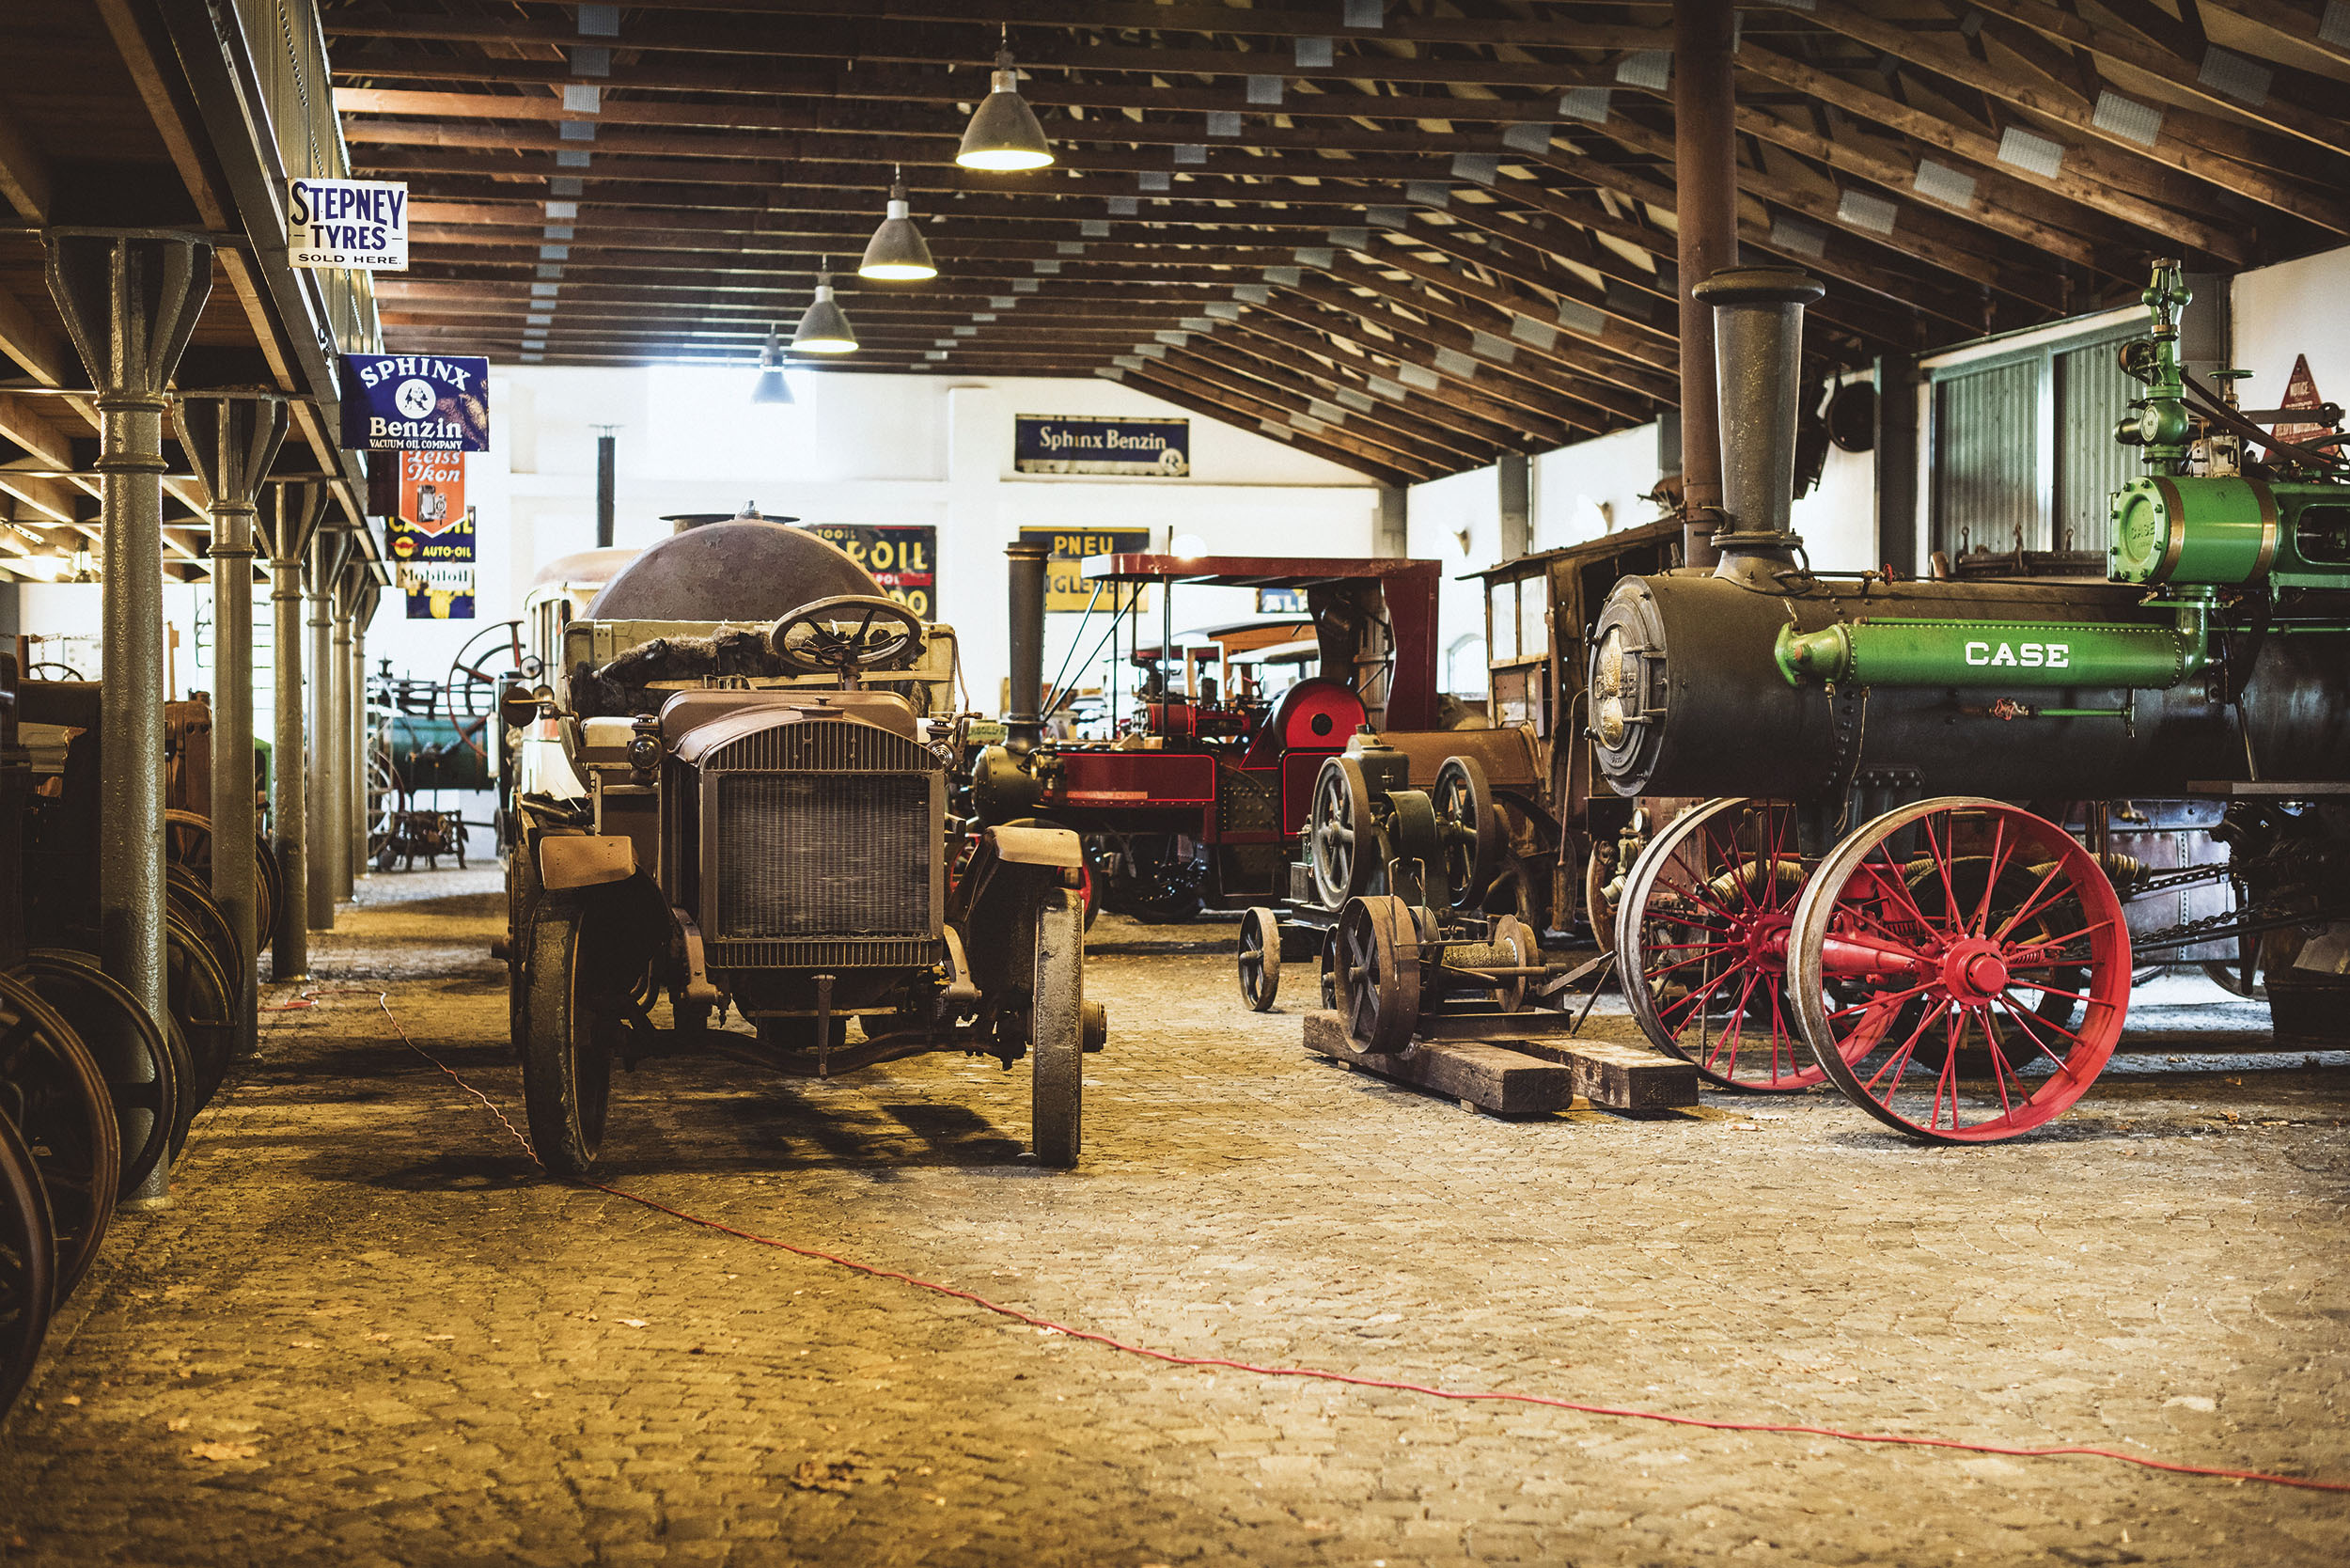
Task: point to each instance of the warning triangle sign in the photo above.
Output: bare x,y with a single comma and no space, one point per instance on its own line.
2301,392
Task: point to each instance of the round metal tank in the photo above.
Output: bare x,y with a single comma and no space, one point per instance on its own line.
1686,699
737,570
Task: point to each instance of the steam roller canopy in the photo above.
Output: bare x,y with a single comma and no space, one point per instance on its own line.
737,570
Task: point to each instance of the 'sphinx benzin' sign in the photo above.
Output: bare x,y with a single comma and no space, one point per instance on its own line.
416,402
347,223
1092,443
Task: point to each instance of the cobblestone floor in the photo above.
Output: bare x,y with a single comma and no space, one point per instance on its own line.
369,1333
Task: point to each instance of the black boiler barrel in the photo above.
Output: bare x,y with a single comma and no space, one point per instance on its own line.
1686,699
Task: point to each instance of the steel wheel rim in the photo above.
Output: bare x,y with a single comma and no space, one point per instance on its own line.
1739,959
1378,985
1260,959
28,1262
82,1172
64,967
1969,950
1340,816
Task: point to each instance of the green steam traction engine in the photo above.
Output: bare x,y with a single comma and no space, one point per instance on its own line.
1958,964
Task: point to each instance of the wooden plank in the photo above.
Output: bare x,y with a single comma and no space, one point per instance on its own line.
1618,1076
1506,1083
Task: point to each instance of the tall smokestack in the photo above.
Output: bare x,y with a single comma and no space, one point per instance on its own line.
1705,206
1023,718
1758,339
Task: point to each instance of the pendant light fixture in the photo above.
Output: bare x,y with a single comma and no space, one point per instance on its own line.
1004,133
825,327
895,252
771,387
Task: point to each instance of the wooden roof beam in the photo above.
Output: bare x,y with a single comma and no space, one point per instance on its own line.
1313,437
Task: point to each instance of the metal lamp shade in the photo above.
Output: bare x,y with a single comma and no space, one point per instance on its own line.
897,251
771,387
1004,133
825,327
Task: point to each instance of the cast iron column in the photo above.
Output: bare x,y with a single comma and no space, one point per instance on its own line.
300,504
607,486
1705,204
327,548
130,299
346,719
232,442
362,610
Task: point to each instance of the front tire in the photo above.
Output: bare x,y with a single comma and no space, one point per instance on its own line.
566,1030
1056,1030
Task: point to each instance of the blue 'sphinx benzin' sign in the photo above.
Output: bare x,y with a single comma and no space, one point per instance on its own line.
346,223
1091,443
416,402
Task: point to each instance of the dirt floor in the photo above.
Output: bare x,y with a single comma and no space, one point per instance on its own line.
369,1332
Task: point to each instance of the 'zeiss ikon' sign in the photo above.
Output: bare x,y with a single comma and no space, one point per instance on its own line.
416,402
1090,444
346,223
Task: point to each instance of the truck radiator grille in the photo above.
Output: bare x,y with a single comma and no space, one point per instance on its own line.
823,855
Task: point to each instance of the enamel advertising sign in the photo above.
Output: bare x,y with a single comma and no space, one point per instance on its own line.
1089,443
431,538
1065,584
904,560
346,223
416,402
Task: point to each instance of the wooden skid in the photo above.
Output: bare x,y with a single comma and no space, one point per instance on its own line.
1513,1074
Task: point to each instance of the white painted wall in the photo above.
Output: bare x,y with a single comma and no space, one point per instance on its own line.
872,450
2289,309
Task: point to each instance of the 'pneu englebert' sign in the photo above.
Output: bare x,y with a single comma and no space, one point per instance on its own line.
1091,443
416,402
346,223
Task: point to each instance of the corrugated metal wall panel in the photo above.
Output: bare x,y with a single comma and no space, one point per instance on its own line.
1986,460
2091,393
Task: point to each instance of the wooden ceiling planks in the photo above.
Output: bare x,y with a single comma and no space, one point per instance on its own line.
1407,246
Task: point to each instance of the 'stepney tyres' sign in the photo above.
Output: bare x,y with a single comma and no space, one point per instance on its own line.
416,402
1091,443
346,223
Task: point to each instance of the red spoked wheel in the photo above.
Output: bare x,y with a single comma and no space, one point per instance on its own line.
1970,962
1701,943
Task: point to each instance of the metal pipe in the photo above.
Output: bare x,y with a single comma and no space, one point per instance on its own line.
1705,206
1516,473
321,803
130,300
232,442
1022,725
607,485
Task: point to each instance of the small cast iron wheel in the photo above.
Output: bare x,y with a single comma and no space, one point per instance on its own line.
1340,839
1598,869
1976,967
811,640
576,979
1327,963
199,995
1471,826
1701,943
1260,959
142,1073
55,1094
183,1064
1057,1031
1378,973
1511,935
28,1263
269,888
185,896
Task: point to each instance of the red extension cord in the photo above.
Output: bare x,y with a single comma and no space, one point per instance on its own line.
383,1000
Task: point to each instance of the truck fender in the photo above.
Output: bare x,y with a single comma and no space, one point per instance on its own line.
586,860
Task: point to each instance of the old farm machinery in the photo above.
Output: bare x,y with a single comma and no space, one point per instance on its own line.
732,795
1875,889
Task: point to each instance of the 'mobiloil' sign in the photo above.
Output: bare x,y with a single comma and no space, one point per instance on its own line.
347,223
